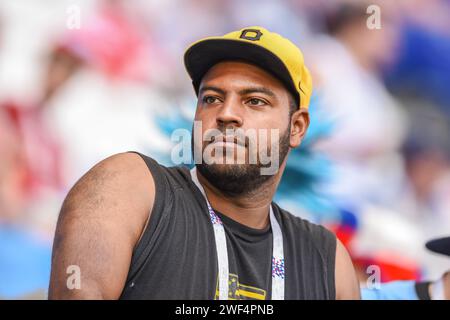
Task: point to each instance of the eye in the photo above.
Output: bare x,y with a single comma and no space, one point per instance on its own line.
256,102
209,99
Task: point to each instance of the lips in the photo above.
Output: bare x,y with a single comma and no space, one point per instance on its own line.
228,140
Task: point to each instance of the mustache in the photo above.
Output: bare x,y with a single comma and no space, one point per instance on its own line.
238,139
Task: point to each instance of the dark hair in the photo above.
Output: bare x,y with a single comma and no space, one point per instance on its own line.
293,106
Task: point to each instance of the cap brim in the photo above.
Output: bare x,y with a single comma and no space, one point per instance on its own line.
201,56
441,245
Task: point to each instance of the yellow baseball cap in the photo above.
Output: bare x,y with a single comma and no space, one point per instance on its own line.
267,50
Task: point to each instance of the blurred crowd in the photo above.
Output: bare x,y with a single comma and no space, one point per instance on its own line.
81,80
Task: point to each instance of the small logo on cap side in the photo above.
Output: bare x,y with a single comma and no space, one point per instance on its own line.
251,34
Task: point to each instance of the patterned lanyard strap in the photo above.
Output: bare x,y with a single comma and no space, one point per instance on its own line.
278,269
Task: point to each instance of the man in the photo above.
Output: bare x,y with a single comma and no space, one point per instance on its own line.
212,232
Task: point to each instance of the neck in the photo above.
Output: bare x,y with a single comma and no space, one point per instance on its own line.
251,210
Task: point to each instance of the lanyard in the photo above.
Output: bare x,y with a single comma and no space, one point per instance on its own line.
278,270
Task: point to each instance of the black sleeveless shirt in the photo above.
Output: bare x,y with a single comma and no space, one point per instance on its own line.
176,257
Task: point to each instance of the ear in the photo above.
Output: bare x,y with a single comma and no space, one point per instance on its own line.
299,125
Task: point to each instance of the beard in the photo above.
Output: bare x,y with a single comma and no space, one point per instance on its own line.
241,179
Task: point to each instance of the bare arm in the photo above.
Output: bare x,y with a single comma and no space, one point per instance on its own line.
347,286
101,221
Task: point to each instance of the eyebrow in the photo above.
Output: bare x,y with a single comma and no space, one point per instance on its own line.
257,90
212,88
241,92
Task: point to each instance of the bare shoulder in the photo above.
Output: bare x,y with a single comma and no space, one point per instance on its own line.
121,167
125,174
100,222
347,286
121,181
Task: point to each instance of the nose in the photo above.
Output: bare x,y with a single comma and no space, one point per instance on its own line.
230,114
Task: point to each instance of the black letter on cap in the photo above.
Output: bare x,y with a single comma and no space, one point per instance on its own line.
256,37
